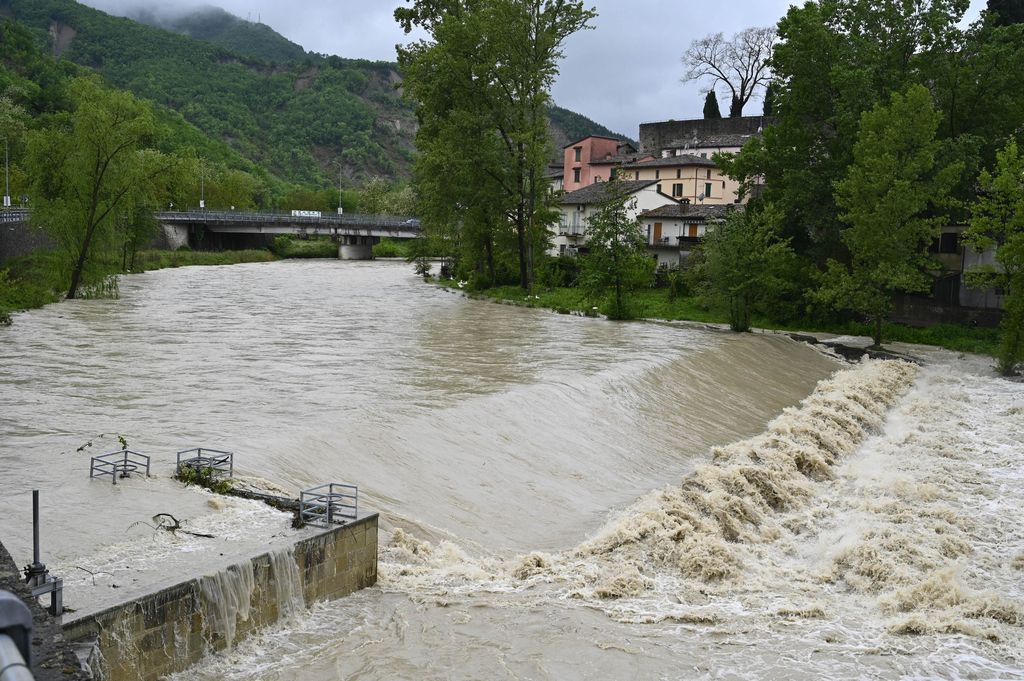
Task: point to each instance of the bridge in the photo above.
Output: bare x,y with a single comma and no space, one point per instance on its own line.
354,233
14,215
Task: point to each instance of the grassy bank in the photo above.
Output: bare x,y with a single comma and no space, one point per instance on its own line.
291,247
39,279
654,304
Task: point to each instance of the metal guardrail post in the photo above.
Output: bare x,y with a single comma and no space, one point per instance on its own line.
15,639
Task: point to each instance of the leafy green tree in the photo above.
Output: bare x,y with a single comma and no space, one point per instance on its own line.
745,265
890,199
13,128
1007,11
488,67
768,108
835,59
711,109
89,169
997,221
617,262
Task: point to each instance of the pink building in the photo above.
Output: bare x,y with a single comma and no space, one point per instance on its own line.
593,159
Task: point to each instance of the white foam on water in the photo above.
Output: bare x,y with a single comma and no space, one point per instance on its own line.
874,531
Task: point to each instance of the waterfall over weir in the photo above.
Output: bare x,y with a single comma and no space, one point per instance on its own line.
170,630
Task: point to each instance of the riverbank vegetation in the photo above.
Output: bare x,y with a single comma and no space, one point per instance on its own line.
657,304
36,280
889,122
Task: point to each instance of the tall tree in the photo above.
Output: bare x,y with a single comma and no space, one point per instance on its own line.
90,169
741,63
834,60
1007,11
617,262
997,222
768,108
746,266
489,65
890,198
711,109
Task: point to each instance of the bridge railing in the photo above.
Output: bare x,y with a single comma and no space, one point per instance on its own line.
264,217
14,215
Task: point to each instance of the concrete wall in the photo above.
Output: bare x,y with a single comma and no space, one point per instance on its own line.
19,238
175,628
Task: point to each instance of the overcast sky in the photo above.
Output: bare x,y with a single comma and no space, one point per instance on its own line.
624,72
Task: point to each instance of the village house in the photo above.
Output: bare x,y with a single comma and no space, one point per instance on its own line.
577,208
674,229
678,189
696,179
594,159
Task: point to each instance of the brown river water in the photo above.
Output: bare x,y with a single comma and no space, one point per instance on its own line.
559,495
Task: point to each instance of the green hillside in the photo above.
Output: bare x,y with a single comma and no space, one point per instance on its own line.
568,126
309,122
222,28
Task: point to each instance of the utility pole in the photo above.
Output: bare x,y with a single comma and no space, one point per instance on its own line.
202,185
340,209
7,175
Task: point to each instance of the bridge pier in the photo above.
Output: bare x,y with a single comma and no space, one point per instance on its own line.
356,247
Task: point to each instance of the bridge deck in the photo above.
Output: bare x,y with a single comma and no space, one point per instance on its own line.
347,224
244,222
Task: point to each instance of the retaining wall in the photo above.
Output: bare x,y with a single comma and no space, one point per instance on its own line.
173,629
20,238
53,659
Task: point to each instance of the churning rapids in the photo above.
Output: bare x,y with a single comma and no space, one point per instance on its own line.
809,519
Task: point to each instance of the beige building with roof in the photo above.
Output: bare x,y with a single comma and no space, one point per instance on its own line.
685,177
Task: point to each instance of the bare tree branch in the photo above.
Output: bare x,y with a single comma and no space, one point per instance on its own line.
741,63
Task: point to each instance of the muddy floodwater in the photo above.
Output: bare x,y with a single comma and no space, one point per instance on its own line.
560,497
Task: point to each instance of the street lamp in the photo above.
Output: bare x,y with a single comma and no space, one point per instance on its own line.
202,185
340,176
7,176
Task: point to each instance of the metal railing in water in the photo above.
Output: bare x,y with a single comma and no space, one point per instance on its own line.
329,504
120,464
215,461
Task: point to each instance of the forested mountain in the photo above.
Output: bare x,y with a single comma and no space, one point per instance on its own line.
307,122
215,25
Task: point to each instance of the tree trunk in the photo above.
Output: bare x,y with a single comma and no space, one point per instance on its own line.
489,249
76,273
878,332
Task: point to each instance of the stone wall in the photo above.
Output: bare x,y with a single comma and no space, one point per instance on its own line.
175,628
657,136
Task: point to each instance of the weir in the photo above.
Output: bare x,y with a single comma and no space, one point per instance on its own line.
174,628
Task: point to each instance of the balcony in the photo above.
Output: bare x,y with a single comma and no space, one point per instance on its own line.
570,229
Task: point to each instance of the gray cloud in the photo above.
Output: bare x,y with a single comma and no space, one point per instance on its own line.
624,72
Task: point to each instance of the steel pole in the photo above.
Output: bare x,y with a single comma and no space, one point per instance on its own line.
7,175
35,527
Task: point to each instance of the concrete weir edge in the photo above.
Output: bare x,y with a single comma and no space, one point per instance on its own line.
174,628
